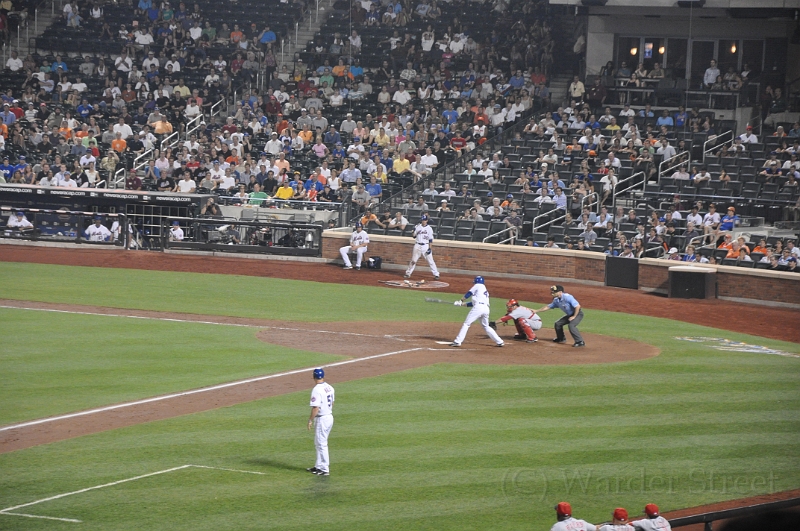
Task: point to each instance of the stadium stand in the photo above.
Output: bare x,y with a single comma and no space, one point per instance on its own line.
411,94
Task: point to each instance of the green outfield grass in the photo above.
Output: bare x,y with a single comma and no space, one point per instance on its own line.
443,447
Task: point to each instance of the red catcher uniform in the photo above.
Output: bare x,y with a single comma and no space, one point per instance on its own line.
524,318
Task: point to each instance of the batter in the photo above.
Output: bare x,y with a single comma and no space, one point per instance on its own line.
480,310
423,235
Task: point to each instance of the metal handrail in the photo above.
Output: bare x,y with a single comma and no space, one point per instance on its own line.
726,514
716,145
511,230
120,179
618,191
215,109
168,142
680,159
550,222
191,126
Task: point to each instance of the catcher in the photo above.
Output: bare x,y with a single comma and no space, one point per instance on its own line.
524,319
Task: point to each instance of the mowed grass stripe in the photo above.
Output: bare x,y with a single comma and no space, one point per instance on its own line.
81,362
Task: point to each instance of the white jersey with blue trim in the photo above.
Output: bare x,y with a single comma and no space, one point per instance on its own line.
478,294
322,396
359,238
423,235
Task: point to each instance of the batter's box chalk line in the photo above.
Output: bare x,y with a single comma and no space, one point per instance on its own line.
8,510
415,284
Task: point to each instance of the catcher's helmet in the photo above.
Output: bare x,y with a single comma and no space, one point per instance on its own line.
319,374
511,303
479,280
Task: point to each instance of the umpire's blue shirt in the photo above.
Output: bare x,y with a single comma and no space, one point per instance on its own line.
567,303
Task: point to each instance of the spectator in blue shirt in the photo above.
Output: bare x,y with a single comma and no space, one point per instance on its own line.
332,136
517,80
681,117
84,109
58,63
647,112
665,119
729,220
6,169
374,189
267,36
560,199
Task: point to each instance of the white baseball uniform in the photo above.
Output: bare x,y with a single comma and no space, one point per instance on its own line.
480,310
359,237
423,236
98,234
19,223
659,523
176,234
322,396
616,527
573,524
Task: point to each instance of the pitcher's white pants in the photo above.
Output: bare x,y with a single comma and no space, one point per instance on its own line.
346,250
418,252
323,427
479,311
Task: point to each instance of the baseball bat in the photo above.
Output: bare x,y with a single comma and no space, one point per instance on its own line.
429,299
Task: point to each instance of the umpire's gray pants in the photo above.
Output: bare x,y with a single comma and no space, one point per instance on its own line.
573,327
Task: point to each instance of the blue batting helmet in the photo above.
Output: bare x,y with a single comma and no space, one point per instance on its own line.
319,374
359,225
479,280
423,218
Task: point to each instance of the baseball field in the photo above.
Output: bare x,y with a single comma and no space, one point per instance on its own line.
140,399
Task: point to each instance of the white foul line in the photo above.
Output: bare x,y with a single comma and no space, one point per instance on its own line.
8,510
202,390
174,320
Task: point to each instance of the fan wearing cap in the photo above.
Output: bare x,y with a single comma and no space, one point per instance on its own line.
573,315
653,522
619,521
748,137
97,232
176,232
423,238
567,523
729,220
359,241
322,399
19,222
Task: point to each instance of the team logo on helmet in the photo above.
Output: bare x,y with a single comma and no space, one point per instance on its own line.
423,218
359,225
479,280
319,374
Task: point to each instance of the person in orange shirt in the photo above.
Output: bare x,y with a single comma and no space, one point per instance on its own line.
118,144
84,132
236,34
282,163
4,130
281,125
307,135
734,251
162,127
64,130
761,247
728,244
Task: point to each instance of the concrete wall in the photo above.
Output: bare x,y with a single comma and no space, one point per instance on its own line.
754,285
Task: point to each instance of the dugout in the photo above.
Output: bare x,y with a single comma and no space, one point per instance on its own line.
144,210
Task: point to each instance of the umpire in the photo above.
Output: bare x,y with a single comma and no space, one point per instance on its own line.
572,318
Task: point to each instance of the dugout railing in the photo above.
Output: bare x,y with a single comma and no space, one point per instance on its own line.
231,235
65,226
708,519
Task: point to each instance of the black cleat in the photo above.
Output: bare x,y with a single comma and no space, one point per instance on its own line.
313,469
519,337
556,340
454,344
534,340
322,473
579,344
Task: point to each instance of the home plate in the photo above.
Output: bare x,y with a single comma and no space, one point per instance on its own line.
443,342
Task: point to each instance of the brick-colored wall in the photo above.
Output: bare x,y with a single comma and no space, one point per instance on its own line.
487,258
732,282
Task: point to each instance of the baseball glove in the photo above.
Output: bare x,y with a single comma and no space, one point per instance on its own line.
493,325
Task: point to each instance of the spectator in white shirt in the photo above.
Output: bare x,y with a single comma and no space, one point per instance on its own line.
14,63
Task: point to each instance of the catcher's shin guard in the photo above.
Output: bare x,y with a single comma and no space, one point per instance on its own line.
524,330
